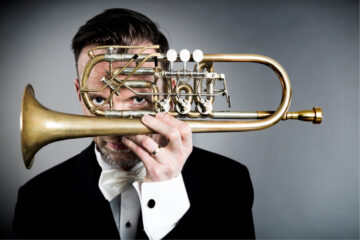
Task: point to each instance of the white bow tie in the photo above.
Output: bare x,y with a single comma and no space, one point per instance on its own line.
112,182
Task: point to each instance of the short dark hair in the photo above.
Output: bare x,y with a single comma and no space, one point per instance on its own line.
118,26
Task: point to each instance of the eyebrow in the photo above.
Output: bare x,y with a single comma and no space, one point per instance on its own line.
96,94
142,90
138,90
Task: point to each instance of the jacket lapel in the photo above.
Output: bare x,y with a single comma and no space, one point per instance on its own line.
97,217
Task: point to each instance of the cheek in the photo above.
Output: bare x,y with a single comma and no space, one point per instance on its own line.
100,141
96,140
85,109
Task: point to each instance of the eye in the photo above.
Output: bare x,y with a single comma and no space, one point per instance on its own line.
98,100
139,100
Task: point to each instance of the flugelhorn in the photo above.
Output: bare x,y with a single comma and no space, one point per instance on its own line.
40,126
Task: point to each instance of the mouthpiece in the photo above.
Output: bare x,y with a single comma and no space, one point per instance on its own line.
315,115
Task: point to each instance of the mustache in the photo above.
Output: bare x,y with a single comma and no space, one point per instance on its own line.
113,138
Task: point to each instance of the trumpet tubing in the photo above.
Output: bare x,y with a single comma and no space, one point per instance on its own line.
40,126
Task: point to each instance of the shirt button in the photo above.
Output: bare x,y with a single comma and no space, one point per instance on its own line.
151,203
128,224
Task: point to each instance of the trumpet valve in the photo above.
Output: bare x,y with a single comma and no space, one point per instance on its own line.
204,107
183,106
162,106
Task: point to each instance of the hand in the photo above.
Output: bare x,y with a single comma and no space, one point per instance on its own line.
174,137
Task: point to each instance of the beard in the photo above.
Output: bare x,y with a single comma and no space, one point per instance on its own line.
120,156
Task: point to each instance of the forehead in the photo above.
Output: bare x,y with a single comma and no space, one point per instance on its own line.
101,69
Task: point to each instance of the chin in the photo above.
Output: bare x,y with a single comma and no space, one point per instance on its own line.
114,152
128,159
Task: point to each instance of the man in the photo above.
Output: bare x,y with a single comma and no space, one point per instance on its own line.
174,190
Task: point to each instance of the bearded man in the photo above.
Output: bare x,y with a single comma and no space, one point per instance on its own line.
173,190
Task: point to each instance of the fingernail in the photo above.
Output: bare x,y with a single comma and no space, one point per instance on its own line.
124,139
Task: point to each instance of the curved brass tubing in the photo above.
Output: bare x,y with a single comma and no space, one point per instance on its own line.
220,126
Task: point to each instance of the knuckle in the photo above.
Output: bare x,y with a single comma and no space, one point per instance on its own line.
173,134
145,141
137,149
160,115
131,137
185,130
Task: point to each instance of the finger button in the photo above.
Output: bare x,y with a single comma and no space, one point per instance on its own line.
185,55
198,55
171,55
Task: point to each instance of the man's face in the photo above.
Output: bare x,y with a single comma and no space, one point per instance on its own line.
111,147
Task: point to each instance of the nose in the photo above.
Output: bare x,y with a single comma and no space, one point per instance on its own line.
117,103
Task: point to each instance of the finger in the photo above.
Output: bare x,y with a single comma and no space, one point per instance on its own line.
183,127
146,142
171,133
145,157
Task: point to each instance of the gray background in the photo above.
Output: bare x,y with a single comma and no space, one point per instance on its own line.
306,177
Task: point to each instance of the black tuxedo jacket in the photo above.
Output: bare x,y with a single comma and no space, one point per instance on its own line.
65,201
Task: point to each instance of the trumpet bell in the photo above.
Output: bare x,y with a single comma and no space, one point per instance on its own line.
40,126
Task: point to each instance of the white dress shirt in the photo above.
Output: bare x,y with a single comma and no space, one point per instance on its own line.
162,204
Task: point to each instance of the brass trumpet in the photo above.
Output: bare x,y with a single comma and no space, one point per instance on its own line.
40,126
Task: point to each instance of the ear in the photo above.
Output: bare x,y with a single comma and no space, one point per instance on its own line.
77,87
